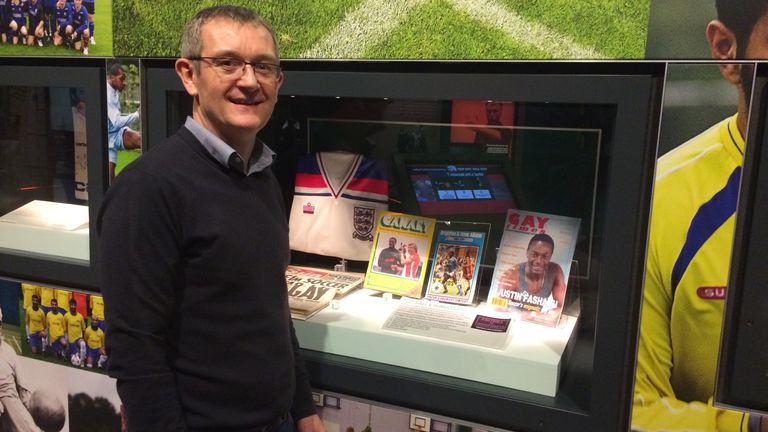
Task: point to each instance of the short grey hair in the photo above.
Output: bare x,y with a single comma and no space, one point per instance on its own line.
191,43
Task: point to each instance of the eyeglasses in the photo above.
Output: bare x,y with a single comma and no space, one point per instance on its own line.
234,68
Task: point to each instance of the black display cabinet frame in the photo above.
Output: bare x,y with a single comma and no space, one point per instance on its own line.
742,374
89,75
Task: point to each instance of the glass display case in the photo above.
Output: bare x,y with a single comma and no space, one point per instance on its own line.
742,376
461,144
52,153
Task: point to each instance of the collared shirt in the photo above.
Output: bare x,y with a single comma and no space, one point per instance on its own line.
115,119
226,155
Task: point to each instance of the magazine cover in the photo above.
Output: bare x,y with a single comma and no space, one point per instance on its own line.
401,246
533,264
455,266
312,289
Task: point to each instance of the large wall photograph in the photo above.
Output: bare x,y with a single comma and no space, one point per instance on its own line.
410,29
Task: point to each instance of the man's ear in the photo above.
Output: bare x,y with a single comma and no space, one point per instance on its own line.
722,44
186,72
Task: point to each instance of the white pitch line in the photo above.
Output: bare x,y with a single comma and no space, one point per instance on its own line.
361,28
527,32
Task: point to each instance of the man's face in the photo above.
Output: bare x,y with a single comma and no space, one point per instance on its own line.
231,107
539,254
392,242
78,3
60,4
35,303
54,306
72,308
117,81
94,324
493,112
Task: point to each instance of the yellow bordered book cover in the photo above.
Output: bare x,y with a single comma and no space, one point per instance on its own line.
399,255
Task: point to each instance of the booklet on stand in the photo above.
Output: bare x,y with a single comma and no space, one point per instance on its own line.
399,255
456,265
532,265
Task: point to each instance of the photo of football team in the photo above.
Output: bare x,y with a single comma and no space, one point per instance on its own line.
64,326
68,27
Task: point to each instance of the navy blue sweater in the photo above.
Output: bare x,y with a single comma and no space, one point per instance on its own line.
193,257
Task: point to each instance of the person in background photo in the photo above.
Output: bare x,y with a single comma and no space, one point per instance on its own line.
14,395
120,135
95,345
35,326
690,239
389,258
75,328
168,279
79,30
54,322
36,14
90,6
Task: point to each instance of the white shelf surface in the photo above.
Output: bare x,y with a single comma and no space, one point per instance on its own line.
531,360
47,228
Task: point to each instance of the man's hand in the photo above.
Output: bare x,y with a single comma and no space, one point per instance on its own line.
310,424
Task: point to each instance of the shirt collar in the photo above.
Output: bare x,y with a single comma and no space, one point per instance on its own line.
261,158
732,139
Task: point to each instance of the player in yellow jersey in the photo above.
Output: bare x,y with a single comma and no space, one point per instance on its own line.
56,329
26,291
75,326
35,325
97,309
689,247
94,339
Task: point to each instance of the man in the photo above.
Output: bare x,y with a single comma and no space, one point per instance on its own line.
94,341
75,326
62,18
78,31
168,279
121,137
14,395
27,291
35,12
17,22
389,258
689,249
538,275
35,325
410,261
54,322
96,303
90,6
496,135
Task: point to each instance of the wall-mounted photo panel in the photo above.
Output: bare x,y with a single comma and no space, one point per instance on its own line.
124,139
409,29
692,222
56,28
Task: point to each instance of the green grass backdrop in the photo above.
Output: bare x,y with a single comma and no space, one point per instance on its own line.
432,29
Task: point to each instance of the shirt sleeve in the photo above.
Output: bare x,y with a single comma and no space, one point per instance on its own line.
115,119
655,406
303,405
139,257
